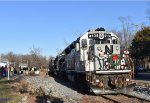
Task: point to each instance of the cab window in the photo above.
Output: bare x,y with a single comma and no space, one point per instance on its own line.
115,41
91,42
97,41
84,43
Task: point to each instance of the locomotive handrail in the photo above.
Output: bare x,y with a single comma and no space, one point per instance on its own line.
132,67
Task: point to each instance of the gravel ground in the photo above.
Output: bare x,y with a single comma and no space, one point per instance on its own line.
64,92
56,88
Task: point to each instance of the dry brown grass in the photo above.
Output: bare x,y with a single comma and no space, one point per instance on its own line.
43,73
7,93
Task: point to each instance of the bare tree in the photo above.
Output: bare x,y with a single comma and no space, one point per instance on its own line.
44,62
78,34
37,59
119,34
35,56
66,43
127,31
34,59
10,56
58,50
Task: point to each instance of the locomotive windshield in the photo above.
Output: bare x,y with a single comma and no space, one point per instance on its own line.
84,43
103,41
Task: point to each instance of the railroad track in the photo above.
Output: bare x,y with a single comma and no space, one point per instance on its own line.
141,90
117,98
140,93
123,98
109,98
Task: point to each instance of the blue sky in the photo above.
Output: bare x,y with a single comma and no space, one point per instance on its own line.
47,24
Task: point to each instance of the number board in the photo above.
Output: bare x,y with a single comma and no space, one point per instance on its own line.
107,35
95,36
99,36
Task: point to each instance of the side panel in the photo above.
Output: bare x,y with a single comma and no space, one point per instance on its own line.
70,62
77,61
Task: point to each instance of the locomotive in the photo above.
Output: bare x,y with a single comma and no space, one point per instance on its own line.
96,60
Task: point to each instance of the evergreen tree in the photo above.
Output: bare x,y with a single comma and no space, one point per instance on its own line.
141,43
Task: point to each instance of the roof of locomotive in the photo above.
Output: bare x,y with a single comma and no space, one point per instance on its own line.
72,45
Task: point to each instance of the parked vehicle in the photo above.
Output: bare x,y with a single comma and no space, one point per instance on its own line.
140,69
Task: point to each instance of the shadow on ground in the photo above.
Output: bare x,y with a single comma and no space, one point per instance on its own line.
48,99
80,88
6,81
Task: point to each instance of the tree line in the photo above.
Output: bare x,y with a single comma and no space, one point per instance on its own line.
33,59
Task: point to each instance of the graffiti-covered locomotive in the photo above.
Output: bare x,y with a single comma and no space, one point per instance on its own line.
96,59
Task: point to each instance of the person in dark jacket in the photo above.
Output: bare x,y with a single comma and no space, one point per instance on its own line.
6,71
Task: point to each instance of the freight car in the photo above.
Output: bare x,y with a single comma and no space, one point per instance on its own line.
96,59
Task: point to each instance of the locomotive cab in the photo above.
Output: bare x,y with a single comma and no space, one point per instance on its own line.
107,69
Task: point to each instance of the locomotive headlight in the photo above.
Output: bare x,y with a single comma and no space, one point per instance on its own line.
107,63
98,48
127,79
117,48
126,52
123,56
97,81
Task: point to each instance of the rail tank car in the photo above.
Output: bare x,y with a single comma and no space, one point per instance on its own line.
96,59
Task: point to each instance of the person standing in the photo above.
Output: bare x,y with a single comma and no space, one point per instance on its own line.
0,72
6,71
3,71
12,70
15,71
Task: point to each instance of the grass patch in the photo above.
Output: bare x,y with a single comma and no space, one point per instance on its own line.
7,94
